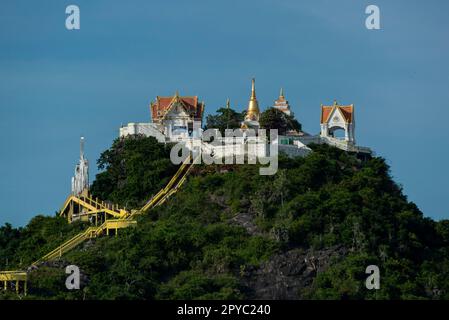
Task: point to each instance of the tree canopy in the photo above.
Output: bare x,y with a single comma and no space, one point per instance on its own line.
275,119
225,118
132,170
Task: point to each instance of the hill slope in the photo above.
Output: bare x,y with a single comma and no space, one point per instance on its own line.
308,232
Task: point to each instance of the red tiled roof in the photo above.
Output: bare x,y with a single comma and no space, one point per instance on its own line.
346,111
162,104
325,112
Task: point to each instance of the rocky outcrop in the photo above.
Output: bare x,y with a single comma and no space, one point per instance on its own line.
246,220
286,274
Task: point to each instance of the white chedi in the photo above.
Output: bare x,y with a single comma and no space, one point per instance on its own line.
80,181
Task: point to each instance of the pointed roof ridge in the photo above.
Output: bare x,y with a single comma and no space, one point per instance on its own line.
176,98
347,111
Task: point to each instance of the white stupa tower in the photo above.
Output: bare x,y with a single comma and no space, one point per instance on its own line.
80,182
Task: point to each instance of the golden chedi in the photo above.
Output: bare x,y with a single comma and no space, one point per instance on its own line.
253,112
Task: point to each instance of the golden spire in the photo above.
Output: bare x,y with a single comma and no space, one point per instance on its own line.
253,89
253,106
281,94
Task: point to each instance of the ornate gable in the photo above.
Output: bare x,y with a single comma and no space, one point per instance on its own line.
165,106
328,113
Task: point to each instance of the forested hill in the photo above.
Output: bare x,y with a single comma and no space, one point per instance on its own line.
308,232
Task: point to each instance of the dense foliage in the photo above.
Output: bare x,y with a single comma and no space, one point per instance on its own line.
20,247
275,119
225,118
133,170
190,248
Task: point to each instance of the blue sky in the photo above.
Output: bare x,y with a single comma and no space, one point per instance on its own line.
56,85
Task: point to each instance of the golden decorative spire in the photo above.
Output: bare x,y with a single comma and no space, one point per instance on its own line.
281,94
253,89
253,106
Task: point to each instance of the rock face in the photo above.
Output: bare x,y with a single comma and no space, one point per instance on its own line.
246,220
285,274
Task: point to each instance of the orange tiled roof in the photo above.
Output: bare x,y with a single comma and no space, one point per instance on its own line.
346,111
163,104
325,112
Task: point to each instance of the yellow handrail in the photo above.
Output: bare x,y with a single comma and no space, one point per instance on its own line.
172,186
156,200
122,219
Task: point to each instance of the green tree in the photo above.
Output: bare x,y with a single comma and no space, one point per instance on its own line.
275,119
134,168
225,118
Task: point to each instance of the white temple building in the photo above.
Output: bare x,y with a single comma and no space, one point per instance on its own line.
179,119
174,118
338,117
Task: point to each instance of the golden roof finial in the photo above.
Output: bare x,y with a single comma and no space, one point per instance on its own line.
281,94
253,89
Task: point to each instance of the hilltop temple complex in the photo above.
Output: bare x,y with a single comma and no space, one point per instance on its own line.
180,119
